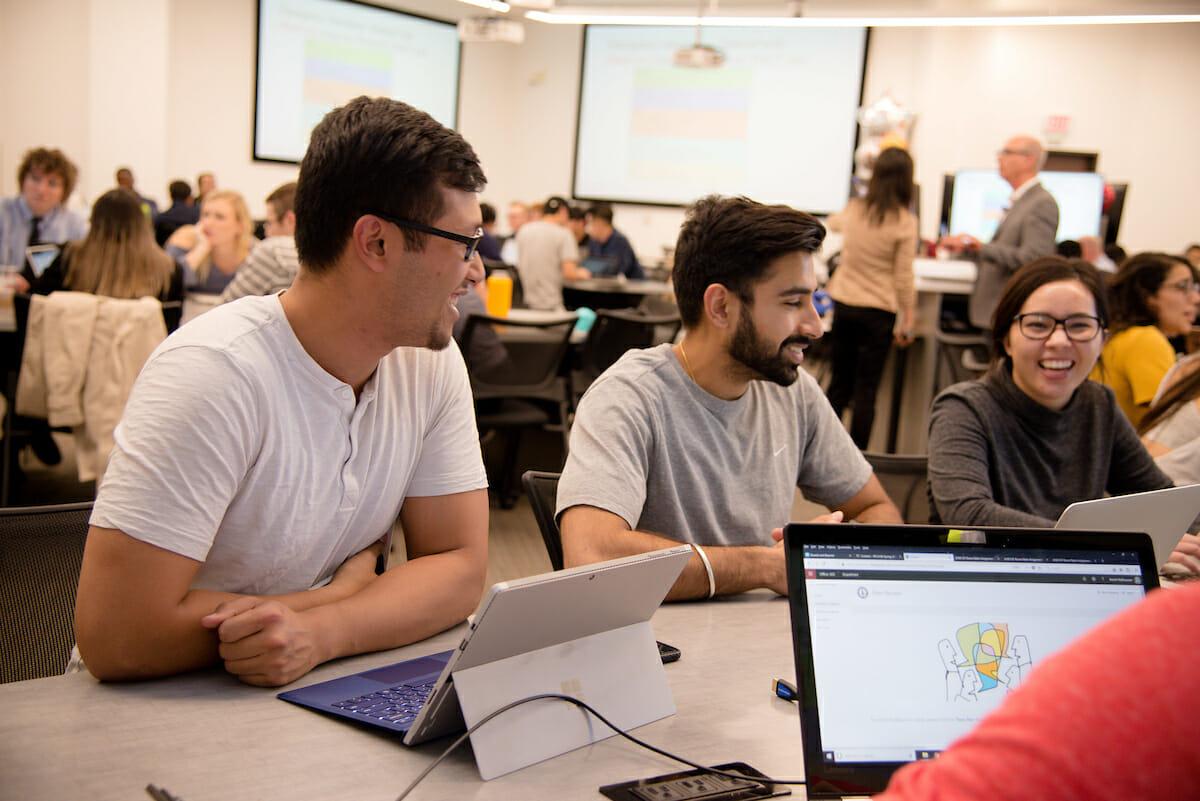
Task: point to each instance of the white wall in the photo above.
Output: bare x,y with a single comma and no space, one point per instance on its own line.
167,87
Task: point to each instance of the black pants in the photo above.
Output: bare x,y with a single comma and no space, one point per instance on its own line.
860,340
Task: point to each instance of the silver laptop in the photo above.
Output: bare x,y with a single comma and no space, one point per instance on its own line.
905,636
1166,515
583,631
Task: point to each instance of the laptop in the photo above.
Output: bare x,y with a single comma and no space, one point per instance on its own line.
583,632
1165,514
600,266
905,636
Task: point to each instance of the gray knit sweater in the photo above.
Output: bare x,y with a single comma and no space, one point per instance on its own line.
999,458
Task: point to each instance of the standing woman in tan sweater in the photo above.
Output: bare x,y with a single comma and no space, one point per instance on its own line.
873,283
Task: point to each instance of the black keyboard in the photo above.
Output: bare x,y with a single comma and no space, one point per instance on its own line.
398,705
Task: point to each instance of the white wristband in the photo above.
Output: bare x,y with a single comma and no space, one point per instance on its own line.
712,582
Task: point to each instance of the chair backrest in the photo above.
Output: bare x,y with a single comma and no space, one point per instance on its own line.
542,489
616,331
41,550
904,480
965,357
536,351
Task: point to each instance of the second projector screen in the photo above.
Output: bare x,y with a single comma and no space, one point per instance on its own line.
775,122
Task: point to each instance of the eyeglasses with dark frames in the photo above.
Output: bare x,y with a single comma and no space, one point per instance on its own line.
1077,327
472,242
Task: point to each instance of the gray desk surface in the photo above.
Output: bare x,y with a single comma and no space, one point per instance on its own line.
205,737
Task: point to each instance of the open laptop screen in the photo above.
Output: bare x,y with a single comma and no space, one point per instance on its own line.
907,636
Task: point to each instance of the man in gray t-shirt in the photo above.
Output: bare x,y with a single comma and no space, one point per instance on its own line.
704,441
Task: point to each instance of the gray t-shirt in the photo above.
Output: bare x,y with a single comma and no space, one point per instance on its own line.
543,246
669,458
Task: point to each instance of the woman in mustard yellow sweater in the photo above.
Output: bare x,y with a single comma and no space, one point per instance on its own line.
1154,296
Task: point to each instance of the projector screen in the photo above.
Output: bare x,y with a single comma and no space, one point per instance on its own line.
314,55
979,198
776,122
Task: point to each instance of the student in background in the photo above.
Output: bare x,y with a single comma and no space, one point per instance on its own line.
1154,297
872,284
118,258
489,246
181,212
39,214
211,251
608,242
273,262
1033,435
124,178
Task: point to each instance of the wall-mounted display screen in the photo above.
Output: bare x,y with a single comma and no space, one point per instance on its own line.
980,196
314,55
777,121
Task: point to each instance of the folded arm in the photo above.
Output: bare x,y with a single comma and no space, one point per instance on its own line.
137,617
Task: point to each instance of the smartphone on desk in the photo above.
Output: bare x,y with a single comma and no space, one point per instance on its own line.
669,653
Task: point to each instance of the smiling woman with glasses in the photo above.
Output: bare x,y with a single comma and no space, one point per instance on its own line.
1154,297
1033,435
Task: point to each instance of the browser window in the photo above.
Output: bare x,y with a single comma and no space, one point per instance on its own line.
911,646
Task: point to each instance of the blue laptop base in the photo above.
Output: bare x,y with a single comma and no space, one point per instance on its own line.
389,697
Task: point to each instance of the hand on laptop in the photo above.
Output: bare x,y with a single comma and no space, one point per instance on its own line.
1186,556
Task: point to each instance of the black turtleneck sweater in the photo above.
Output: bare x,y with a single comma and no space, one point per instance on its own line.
999,458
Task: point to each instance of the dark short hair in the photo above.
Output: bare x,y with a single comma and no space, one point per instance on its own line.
283,199
732,241
601,211
1028,279
376,155
488,213
1069,249
179,190
576,212
1139,279
555,203
49,160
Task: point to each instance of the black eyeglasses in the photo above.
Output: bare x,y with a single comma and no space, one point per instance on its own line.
472,242
1077,327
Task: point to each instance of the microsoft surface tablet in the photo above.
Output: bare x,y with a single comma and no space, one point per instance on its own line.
905,636
417,697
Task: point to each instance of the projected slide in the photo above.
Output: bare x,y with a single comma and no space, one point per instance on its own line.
776,122
314,55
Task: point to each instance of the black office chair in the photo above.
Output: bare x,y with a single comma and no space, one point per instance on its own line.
41,550
614,332
904,480
964,355
542,489
529,393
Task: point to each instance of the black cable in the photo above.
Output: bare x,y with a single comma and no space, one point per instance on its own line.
558,696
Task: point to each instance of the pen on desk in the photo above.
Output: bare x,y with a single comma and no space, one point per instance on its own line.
159,794
785,690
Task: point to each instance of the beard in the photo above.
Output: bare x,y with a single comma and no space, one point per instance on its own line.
767,362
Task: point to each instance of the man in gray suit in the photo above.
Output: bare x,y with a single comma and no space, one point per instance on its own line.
1025,233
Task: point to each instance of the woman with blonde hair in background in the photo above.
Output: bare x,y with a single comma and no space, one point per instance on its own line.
211,251
118,258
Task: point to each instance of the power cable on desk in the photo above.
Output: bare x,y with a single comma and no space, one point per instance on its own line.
569,699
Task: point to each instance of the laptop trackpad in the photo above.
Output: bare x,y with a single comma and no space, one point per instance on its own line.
407,671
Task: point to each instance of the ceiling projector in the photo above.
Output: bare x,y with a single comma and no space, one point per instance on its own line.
698,55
